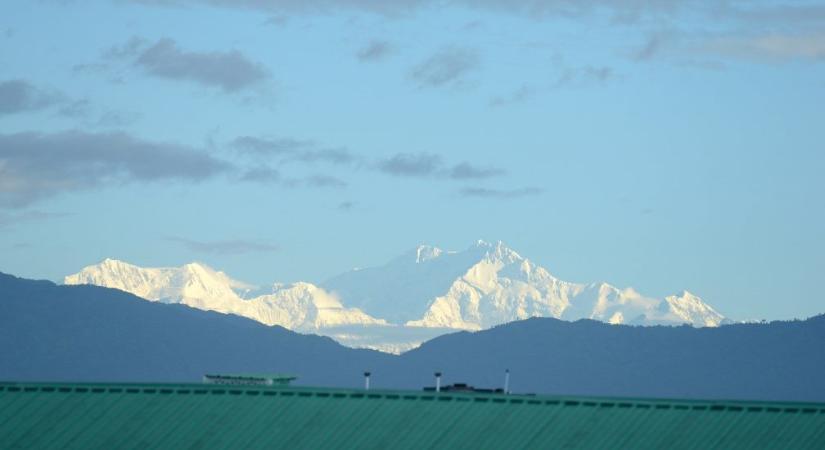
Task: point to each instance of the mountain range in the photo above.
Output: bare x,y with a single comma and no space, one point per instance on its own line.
421,294
50,332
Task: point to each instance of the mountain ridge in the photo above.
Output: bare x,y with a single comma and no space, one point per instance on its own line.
398,305
88,333
298,306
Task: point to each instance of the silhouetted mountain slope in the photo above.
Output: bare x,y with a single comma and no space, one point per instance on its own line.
88,333
780,360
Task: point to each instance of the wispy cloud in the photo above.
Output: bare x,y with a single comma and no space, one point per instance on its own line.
481,192
424,165
761,39
286,150
324,181
262,175
565,77
625,10
277,21
583,76
129,49
267,146
268,175
17,96
785,17
653,45
34,165
375,50
447,67
315,181
230,71
225,247
465,171
346,206
762,31
772,47
519,95
410,164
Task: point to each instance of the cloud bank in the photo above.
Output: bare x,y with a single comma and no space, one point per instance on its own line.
626,9
17,96
230,71
35,166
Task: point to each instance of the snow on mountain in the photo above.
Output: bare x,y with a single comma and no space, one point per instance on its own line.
402,289
490,284
421,294
299,306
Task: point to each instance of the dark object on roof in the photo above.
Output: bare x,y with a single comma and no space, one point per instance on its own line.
464,387
250,379
213,416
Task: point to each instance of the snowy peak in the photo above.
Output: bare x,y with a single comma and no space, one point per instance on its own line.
423,293
426,253
165,284
300,306
490,284
498,252
498,287
421,254
691,309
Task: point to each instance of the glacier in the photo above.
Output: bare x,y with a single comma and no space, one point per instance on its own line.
422,294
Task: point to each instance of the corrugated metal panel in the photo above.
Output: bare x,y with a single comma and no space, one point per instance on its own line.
209,416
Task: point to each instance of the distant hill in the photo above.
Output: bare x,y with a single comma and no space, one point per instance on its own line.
89,333
773,361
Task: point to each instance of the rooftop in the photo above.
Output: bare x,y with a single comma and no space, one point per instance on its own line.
209,416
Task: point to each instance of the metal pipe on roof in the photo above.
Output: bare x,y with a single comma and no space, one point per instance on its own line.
506,381
367,381
438,381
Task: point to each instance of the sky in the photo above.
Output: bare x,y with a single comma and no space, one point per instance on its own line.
667,145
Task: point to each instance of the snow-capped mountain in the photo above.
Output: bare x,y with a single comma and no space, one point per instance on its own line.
421,294
299,306
490,284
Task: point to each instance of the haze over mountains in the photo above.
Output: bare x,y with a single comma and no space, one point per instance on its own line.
88,333
419,295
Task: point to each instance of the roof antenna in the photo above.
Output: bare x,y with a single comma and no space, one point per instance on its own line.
506,381
438,381
367,381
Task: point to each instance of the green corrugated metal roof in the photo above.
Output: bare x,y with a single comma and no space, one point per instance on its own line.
214,416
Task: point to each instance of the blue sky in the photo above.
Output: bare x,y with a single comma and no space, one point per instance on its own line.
665,145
